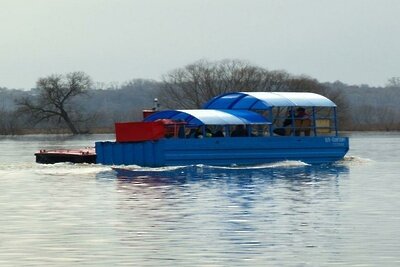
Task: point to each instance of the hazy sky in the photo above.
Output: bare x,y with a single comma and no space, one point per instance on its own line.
355,41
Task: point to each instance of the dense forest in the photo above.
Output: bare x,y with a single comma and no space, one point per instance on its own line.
95,109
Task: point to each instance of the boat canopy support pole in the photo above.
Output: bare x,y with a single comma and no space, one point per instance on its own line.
270,118
335,121
313,122
227,130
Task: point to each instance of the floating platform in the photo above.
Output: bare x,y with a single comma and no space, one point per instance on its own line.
84,155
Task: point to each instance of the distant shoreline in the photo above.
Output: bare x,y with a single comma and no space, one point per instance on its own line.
106,130
111,131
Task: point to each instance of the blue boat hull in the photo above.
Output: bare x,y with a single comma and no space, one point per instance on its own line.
222,151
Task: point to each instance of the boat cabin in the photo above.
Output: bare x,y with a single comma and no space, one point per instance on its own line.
290,113
194,123
215,123
252,114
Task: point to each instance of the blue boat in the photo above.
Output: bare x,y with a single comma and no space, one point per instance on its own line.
241,128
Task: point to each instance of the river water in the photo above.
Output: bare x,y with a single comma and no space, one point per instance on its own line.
283,214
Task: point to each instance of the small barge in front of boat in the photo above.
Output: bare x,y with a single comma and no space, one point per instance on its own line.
84,155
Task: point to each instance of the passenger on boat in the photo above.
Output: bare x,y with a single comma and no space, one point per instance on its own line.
194,133
239,131
209,132
287,122
301,113
219,133
302,122
198,133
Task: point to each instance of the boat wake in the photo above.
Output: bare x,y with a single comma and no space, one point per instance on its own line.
280,164
153,169
66,168
355,160
57,169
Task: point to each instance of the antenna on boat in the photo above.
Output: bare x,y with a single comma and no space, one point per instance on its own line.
156,105
155,108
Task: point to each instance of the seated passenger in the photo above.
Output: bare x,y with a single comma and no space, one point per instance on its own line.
287,122
195,133
198,133
209,133
239,131
218,133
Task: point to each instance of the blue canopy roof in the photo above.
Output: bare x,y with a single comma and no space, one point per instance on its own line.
210,116
266,100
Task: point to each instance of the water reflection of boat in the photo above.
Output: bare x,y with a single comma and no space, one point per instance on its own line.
240,175
211,135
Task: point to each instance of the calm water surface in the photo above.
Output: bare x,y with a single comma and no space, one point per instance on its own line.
284,214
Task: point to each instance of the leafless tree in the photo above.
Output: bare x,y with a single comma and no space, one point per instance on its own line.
393,82
194,84
9,123
53,99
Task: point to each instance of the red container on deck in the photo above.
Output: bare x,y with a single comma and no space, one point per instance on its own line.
138,131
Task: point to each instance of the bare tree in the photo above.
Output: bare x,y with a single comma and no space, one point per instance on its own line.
9,122
194,84
393,82
53,100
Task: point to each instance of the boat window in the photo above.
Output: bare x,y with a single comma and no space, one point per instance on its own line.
303,121
324,121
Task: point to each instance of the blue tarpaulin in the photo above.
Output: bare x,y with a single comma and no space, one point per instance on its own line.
210,116
266,100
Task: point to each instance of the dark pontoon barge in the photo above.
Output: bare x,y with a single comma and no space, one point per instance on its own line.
85,155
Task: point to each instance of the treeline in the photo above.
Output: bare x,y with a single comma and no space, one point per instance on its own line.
370,108
97,107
